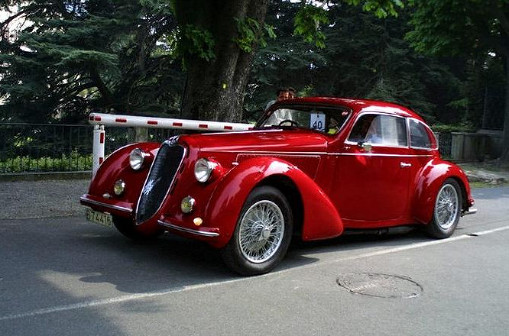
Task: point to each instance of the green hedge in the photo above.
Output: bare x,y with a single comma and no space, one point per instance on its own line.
73,162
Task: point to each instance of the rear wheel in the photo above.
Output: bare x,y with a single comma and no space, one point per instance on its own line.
446,213
128,228
262,234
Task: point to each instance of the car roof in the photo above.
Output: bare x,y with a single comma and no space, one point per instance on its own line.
356,105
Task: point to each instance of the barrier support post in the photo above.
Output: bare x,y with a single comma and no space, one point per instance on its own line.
98,147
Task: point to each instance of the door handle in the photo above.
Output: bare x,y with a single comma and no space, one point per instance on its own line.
405,165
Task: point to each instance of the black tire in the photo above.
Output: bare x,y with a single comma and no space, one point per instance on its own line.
257,246
128,228
447,210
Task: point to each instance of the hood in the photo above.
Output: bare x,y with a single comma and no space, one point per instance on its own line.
273,140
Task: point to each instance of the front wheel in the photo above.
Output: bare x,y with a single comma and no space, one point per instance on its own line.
262,234
446,213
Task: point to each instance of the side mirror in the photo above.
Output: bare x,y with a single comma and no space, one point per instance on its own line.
365,146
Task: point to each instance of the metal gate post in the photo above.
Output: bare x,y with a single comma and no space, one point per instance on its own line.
98,147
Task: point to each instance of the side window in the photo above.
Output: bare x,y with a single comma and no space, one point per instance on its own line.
380,129
419,137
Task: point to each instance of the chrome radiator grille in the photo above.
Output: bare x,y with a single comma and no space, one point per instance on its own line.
159,180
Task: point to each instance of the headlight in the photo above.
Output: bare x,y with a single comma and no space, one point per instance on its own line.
136,158
203,169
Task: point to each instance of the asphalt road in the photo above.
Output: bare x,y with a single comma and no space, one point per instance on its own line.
65,276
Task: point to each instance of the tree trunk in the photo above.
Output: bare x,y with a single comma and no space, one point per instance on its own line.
215,89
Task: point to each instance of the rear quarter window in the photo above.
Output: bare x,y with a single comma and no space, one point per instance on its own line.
419,136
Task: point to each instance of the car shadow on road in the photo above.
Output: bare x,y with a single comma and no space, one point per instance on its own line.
175,262
169,261
360,240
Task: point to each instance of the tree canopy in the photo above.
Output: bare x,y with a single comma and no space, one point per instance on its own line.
71,57
365,57
224,59
478,30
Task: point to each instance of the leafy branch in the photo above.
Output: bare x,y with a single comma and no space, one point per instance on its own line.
308,22
197,41
252,34
381,8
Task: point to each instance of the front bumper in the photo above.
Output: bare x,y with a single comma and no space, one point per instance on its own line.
177,225
203,232
122,209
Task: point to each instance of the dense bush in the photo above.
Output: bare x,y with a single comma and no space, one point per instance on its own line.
22,164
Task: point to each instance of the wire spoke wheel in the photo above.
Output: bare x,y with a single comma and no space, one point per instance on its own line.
261,231
446,207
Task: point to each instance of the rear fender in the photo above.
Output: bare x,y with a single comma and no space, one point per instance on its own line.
320,219
429,182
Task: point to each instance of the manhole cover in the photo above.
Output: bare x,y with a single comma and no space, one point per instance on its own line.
380,285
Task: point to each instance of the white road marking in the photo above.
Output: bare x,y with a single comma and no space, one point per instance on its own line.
140,296
118,299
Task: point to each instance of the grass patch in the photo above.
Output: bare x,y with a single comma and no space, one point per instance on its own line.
478,184
486,174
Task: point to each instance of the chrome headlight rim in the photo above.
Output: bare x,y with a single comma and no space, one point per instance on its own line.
137,158
203,169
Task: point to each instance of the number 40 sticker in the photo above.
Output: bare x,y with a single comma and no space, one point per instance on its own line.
317,121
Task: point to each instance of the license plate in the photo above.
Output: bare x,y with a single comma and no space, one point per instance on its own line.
100,218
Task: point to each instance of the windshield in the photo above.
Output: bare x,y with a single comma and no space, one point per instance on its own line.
328,120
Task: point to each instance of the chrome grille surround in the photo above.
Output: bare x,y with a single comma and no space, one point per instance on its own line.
160,179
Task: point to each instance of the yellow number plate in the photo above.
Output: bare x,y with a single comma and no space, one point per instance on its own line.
100,218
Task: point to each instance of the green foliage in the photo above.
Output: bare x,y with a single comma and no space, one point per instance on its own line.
459,27
449,31
448,128
251,34
285,61
78,57
478,31
381,8
308,22
125,56
22,164
310,18
365,57
197,41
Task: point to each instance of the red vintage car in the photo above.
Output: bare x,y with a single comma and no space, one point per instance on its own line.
311,168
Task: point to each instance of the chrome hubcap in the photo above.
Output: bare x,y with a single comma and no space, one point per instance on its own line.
446,207
261,231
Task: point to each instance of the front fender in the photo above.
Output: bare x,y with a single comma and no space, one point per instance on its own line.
116,166
429,182
320,217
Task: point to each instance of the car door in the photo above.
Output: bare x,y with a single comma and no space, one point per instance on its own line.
423,147
372,175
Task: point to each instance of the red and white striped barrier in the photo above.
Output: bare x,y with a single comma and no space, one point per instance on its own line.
136,121
99,120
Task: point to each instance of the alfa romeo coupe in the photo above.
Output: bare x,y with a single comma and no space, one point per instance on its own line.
310,169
